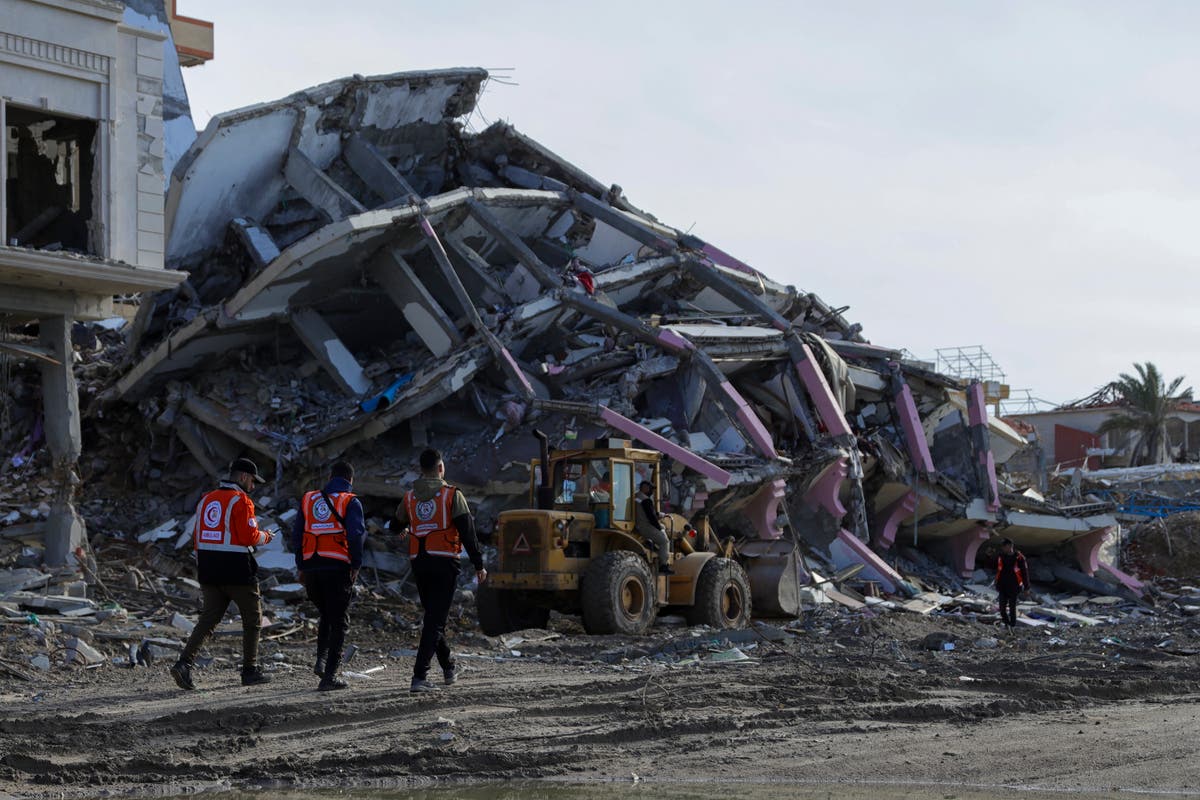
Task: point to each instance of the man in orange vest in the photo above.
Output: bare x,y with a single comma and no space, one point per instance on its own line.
224,537
439,525
1012,578
327,539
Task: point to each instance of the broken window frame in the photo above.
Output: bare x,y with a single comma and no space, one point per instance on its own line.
94,243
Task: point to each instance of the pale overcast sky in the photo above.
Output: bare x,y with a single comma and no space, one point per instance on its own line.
1017,175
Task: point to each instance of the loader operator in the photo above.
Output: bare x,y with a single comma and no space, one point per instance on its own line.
1012,578
440,525
226,530
647,524
327,539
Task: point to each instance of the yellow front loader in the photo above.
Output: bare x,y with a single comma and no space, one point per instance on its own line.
576,550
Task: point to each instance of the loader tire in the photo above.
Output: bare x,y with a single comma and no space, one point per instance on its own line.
722,596
504,611
618,594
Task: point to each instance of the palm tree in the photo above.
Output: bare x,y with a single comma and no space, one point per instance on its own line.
1146,403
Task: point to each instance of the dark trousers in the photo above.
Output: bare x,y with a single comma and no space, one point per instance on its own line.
1008,606
330,591
437,578
215,599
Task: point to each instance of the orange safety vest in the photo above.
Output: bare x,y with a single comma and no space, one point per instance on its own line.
323,534
430,523
213,531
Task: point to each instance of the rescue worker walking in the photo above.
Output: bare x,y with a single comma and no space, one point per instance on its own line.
440,525
224,537
646,522
327,539
1012,578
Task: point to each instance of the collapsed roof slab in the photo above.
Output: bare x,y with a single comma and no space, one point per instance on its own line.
235,167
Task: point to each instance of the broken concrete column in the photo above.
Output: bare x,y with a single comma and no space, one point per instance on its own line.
847,550
910,422
318,188
375,171
60,405
980,439
329,351
426,316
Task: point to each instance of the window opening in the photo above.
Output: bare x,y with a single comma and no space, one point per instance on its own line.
49,195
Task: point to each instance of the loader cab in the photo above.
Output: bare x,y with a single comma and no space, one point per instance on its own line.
601,479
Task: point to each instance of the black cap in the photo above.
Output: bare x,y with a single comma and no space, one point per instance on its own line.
247,466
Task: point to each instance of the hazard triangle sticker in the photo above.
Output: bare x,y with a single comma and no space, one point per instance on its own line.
521,546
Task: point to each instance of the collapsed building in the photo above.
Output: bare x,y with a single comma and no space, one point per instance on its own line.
368,277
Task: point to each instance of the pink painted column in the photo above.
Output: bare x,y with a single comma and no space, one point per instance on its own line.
821,395
824,491
910,423
854,549
1128,581
965,545
750,421
678,452
887,522
1087,550
977,417
763,508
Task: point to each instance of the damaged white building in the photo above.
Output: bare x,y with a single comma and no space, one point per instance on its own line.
88,97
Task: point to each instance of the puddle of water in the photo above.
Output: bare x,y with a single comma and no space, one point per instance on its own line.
697,791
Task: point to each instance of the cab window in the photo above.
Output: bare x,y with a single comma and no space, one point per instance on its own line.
570,485
622,490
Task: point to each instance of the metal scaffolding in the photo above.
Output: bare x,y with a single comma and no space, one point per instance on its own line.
970,363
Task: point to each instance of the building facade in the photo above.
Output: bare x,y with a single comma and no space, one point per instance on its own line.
86,151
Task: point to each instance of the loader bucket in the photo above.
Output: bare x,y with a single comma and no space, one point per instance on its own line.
776,575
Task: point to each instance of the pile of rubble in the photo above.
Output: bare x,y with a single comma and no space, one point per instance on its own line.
367,277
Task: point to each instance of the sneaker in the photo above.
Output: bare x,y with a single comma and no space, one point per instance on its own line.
182,673
254,676
422,685
332,684
319,667
450,675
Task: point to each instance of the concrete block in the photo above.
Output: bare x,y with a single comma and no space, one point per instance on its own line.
151,85
82,652
147,258
148,201
148,181
146,104
152,242
149,221
150,48
154,126
149,67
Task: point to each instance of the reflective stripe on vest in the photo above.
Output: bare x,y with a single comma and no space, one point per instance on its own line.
430,522
323,535
213,532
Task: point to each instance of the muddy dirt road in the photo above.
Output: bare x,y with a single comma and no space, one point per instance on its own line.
844,700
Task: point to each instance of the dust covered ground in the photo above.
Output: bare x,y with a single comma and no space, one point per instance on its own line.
841,698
